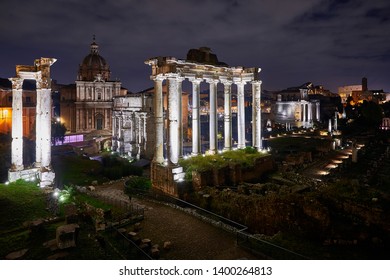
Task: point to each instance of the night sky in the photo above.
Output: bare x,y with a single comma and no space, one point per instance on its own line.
328,42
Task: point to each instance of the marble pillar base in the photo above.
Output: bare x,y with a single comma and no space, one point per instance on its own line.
26,174
46,177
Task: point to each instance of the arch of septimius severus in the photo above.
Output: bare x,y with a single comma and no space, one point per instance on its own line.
166,173
40,72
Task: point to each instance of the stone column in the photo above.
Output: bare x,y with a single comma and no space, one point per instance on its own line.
241,115
196,142
38,125
159,120
318,111
173,119
114,133
310,112
256,115
335,121
17,125
304,113
180,121
227,119
213,127
46,105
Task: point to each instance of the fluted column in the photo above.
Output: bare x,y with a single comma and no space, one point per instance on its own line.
256,115
17,125
196,142
335,121
158,120
304,112
227,119
213,128
173,120
310,112
241,115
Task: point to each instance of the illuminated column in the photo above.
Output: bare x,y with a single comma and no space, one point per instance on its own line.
335,121
330,126
213,128
180,120
45,129
318,111
256,115
38,126
173,119
310,112
17,125
227,120
159,121
114,133
196,144
304,113
241,115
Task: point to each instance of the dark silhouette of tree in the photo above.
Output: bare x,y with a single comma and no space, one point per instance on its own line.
58,131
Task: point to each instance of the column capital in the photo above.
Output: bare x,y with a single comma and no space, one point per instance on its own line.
256,82
195,80
226,82
17,83
212,81
173,76
158,77
240,82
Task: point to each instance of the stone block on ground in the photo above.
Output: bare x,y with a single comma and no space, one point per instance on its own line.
16,255
167,245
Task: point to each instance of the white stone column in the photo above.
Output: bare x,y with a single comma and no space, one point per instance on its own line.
310,112
304,114
173,120
256,115
158,120
46,105
227,119
213,127
318,111
17,125
335,121
196,142
38,126
241,115
180,122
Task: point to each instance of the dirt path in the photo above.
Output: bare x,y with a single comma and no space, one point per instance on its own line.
191,237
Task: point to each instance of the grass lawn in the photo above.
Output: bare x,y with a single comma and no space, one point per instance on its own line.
19,202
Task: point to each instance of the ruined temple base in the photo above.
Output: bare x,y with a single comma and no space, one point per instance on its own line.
169,179
46,177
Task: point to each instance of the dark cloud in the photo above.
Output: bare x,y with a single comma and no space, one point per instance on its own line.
329,42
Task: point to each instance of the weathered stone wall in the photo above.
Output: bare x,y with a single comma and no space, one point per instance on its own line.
162,179
233,174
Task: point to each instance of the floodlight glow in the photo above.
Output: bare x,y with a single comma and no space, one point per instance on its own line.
6,183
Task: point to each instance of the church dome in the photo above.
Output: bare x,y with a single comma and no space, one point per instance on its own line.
94,66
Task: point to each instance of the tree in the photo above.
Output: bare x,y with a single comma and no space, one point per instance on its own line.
58,131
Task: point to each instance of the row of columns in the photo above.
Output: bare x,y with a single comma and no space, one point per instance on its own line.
307,111
42,122
174,118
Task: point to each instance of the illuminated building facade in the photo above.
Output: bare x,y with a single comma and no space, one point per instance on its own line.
87,105
294,107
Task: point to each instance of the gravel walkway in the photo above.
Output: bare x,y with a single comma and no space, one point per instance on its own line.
192,239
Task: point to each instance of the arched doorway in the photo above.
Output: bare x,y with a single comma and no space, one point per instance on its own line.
99,122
